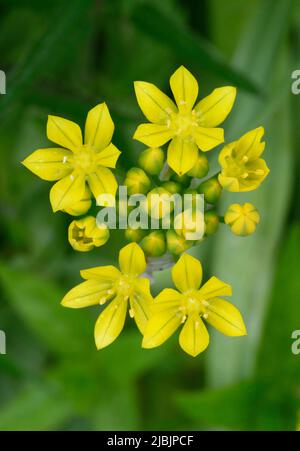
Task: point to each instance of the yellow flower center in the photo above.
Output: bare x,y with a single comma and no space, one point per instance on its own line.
85,159
191,303
78,235
124,286
183,123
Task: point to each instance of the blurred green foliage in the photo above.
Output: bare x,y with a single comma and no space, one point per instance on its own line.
63,58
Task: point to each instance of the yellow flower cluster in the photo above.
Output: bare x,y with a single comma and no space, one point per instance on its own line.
82,169
157,319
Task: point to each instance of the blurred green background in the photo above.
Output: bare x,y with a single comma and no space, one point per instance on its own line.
64,57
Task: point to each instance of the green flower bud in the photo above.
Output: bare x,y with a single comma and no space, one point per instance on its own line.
137,181
152,160
201,167
176,244
154,244
159,202
171,187
211,189
212,222
135,234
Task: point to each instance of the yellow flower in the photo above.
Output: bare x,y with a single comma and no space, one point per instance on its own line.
242,219
188,127
106,283
77,162
85,234
189,306
242,167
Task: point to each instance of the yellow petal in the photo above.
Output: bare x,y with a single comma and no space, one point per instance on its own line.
194,337
229,183
140,303
167,299
102,273
108,157
155,105
99,127
208,138
160,327
86,294
64,132
226,318
132,260
110,323
49,164
182,155
82,206
153,135
213,109
102,182
250,144
215,287
185,88
187,273
67,191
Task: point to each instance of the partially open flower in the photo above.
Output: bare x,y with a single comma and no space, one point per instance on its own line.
85,234
242,167
242,219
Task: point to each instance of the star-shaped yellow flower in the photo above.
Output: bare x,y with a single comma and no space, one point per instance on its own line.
106,283
78,165
242,167
189,306
188,127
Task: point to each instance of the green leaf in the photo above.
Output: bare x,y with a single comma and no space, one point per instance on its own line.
37,407
37,301
187,46
248,263
275,358
250,405
50,47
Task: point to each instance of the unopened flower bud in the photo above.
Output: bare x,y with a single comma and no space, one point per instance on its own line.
211,189
135,234
201,167
137,181
85,234
242,219
171,187
154,244
152,160
159,202
212,222
177,244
